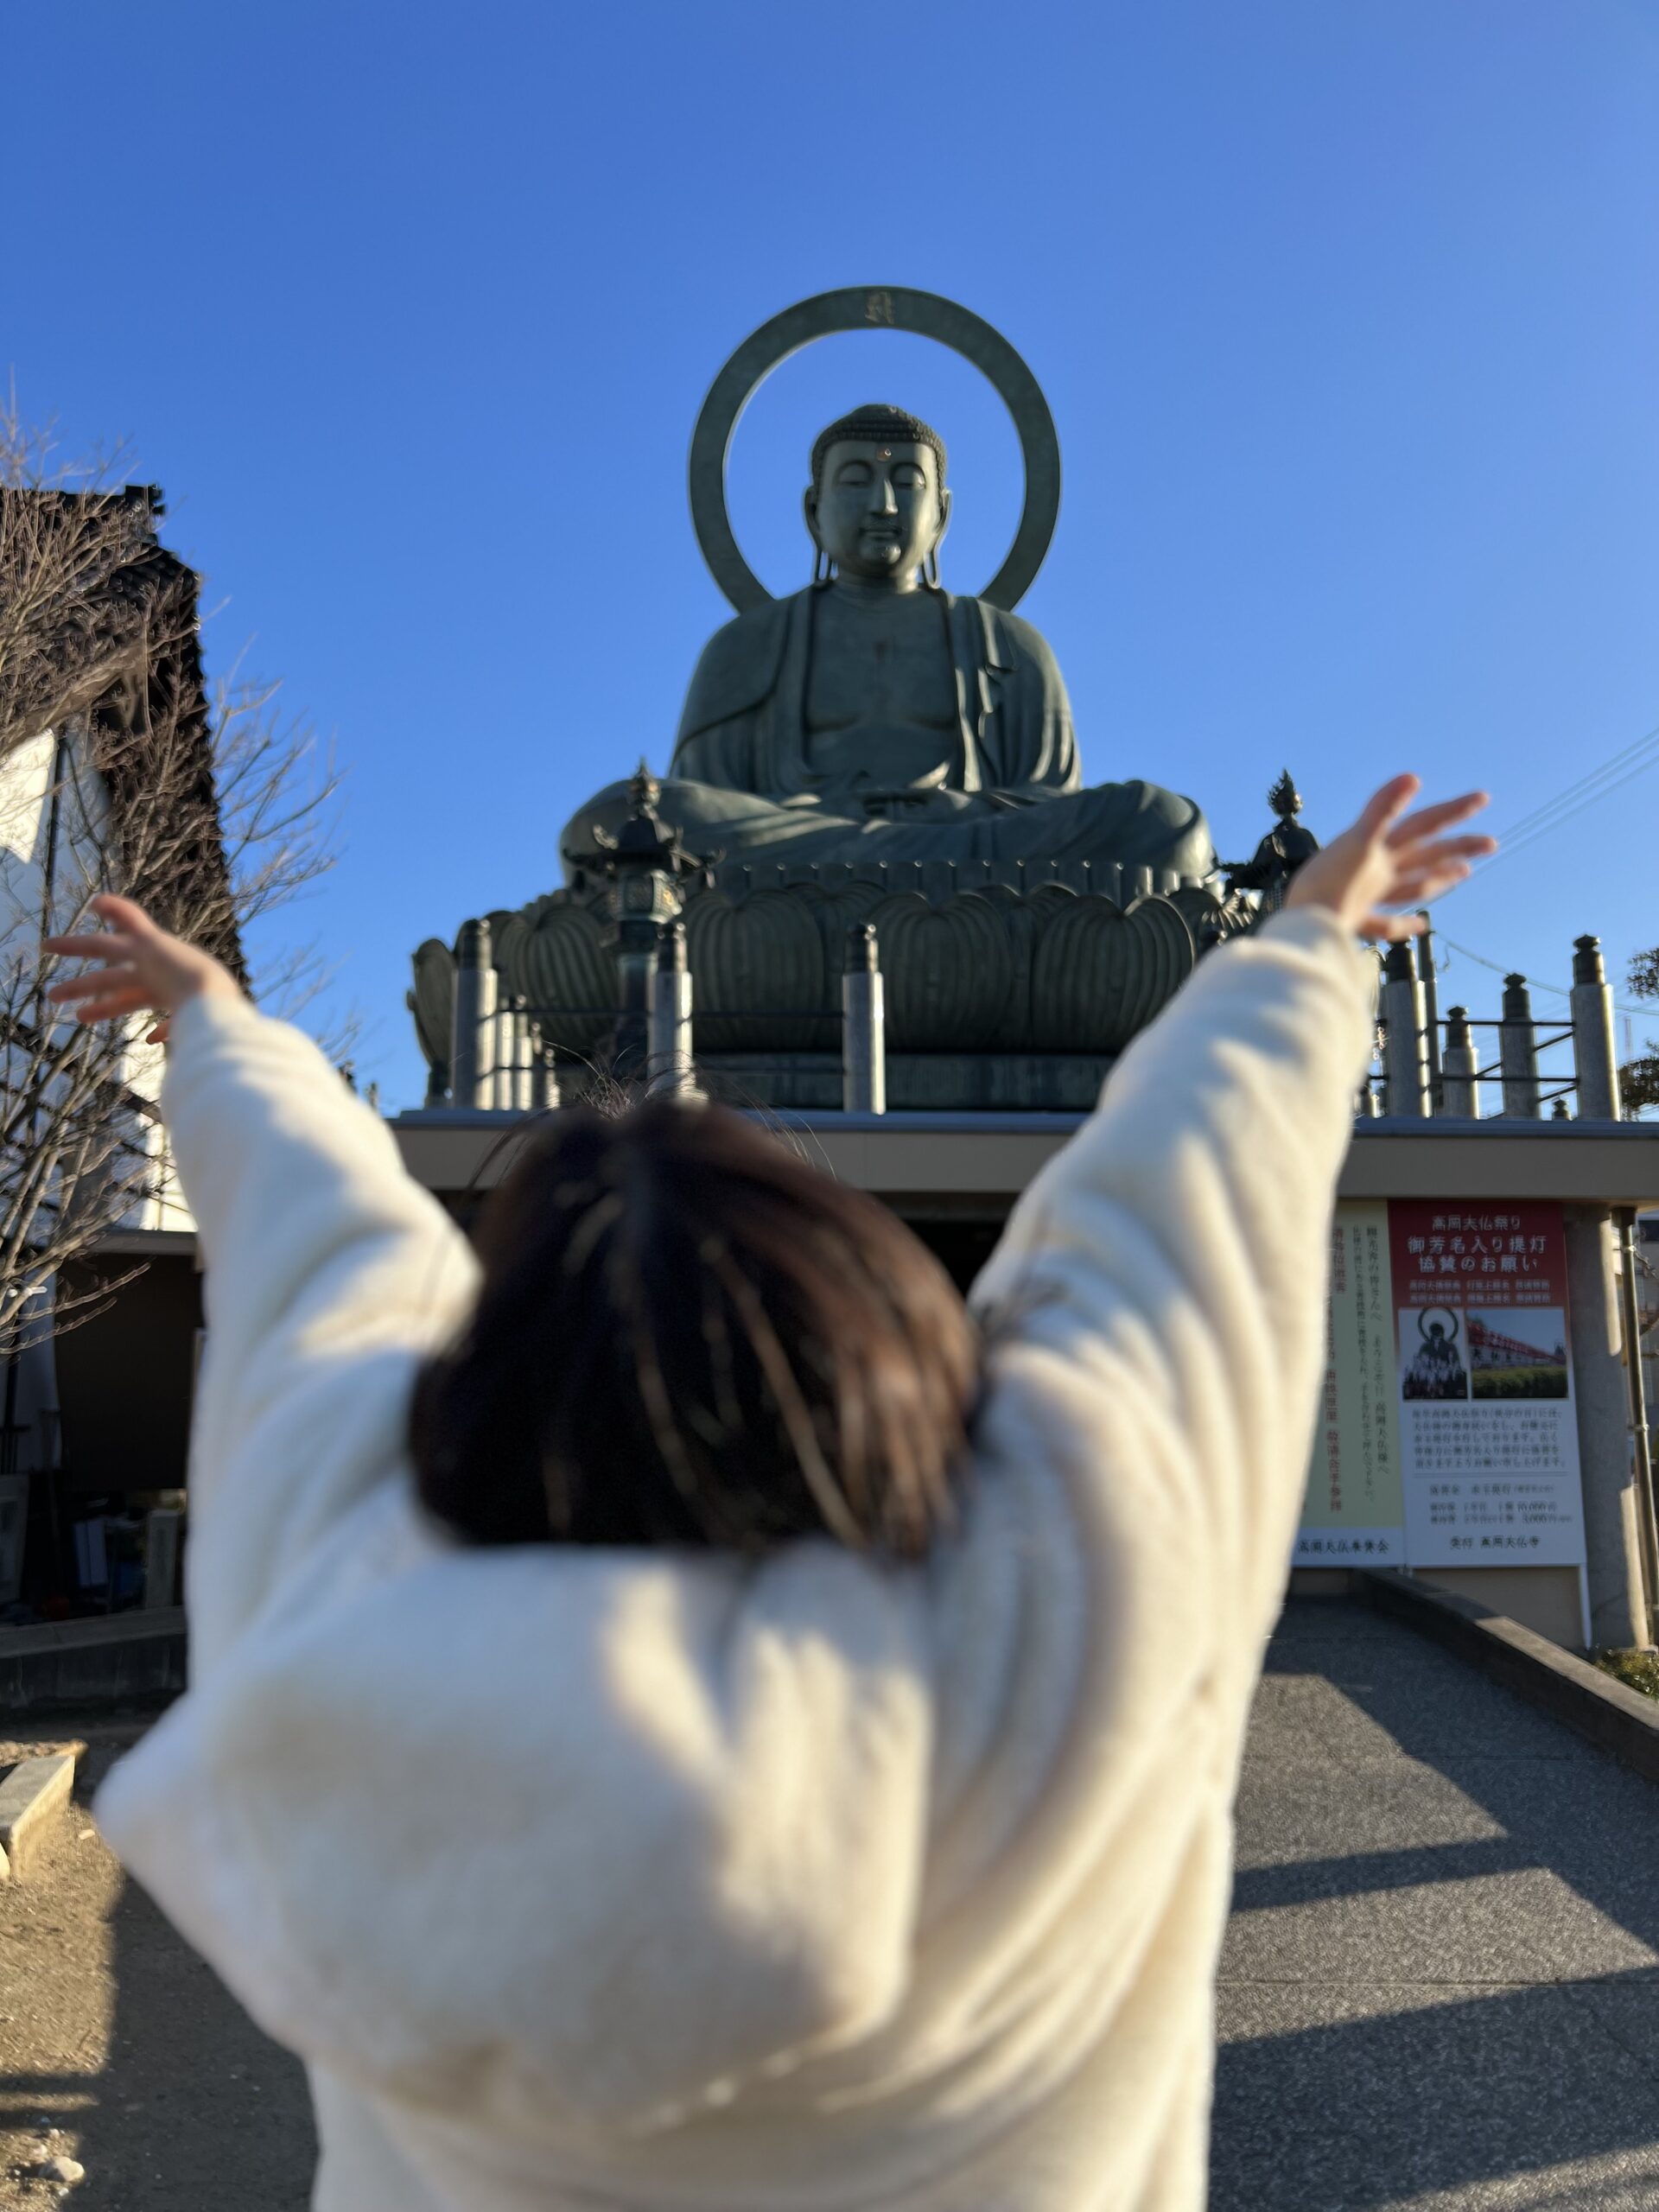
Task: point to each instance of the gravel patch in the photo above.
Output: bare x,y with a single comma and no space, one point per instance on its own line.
121,2053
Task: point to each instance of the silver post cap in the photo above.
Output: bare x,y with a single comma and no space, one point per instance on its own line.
862,952
1587,960
1398,964
473,945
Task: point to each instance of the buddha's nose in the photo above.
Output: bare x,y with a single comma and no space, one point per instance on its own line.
883,503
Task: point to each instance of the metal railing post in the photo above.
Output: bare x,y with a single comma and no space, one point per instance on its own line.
668,1061
524,1061
1642,1436
1404,1060
544,1080
1595,1057
506,1050
863,1025
637,951
1460,1069
1430,982
472,1057
1517,1053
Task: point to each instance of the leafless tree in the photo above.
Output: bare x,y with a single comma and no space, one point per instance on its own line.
118,771
1639,1077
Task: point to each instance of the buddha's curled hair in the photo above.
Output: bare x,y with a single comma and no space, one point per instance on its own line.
875,423
688,1335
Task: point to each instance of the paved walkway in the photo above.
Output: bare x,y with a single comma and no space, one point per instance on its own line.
1440,1987
1441,1990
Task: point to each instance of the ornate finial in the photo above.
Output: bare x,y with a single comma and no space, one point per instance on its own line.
1284,799
644,841
643,787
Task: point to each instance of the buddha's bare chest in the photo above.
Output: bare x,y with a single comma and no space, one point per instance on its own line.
882,667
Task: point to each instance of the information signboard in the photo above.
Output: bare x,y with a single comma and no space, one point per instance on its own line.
1353,1513
1488,1440
1448,1433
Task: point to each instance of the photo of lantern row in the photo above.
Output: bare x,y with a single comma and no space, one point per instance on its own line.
1463,1352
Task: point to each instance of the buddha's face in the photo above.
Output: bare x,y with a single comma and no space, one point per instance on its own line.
879,510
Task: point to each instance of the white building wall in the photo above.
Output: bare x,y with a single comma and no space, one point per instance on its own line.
49,867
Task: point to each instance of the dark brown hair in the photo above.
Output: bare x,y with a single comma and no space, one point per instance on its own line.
686,1334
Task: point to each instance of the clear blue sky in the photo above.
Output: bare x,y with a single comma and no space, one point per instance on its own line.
1348,315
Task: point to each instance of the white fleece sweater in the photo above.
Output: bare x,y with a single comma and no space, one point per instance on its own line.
659,1883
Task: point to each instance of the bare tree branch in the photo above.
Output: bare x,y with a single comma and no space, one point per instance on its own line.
1638,1079
118,771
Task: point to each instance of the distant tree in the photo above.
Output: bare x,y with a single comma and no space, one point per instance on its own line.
118,771
1638,1079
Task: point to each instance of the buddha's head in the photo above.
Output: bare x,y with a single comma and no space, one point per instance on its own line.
877,505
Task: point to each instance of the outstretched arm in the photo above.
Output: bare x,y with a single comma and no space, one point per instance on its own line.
328,1272
1155,1310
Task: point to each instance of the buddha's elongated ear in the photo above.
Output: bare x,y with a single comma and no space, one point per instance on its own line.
822,567
931,559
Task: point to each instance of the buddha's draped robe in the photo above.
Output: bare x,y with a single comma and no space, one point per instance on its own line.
1008,784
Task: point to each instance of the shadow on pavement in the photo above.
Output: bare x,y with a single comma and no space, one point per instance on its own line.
1375,2111
196,2110
1427,2015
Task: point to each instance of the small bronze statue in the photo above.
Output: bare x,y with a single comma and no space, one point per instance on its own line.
1281,852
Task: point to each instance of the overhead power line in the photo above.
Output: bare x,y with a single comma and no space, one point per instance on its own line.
1533,982
1599,783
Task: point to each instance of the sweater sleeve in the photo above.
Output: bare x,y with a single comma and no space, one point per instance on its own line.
329,1274
1155,1310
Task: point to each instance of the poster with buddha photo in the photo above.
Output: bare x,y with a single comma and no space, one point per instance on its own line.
1488,1444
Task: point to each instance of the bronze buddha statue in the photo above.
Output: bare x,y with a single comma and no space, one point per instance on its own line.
875,716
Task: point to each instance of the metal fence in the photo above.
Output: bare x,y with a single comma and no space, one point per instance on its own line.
1458,1066
498,1063
1513,1067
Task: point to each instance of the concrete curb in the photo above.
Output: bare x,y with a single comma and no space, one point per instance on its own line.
1569,1689
125,1656
31,1792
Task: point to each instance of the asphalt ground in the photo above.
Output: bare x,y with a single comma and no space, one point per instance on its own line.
1440,1988
1440,1984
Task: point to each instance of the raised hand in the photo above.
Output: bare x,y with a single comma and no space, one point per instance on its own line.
1390,859
142,969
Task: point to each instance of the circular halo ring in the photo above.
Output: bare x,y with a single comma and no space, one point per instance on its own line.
1450,1315
873,308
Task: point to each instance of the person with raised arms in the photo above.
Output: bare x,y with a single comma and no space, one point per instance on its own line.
686,1714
